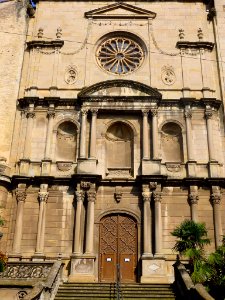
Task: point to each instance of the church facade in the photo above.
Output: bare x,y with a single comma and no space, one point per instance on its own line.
112,134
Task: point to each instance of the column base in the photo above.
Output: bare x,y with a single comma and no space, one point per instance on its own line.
14,257
38,256
82,268
154,271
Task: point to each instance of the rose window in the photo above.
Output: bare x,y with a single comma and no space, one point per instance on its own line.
120,55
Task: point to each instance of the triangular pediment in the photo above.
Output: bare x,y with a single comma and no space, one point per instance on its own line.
119,88
120,10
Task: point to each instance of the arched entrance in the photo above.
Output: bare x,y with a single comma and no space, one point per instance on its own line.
118,248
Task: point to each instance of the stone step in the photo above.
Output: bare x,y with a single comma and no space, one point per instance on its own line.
107,291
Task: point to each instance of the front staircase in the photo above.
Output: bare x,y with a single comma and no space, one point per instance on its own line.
107,291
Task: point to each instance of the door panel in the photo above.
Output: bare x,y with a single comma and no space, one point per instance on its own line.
108,262
118,246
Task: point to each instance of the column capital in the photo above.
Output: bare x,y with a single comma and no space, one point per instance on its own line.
43,196
157,196
79,196
146,196
51,113
21,195
154,111
215,198
91,196
193,198
94,111
188,113
208,113
30,114
84,111
145,112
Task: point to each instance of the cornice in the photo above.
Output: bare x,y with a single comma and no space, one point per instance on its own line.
196,45
45,44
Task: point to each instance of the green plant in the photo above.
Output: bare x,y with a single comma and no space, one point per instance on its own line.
191,240
216,272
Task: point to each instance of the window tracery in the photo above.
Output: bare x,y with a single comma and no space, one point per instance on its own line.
120,55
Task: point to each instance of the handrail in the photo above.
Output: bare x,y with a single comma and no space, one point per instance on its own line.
118,283
185,286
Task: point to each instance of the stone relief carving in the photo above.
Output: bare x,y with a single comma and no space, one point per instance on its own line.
118,196
168,75
71,74
23,271
173,167
21,295
84,266
64,166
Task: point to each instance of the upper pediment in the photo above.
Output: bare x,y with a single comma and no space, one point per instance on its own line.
119,88
120,10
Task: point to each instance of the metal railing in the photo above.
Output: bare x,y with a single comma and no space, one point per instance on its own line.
119,295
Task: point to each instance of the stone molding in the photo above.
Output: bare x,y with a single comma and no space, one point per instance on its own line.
137,12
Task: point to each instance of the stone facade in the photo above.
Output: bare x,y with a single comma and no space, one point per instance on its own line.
112,134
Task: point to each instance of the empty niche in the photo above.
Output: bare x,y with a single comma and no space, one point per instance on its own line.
119,145
66,140
172,144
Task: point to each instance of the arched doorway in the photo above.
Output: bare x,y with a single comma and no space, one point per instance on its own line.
118,248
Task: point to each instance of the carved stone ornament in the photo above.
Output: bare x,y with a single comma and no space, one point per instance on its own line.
43,196
85,184
26,270
168,75
80,196
21,295
21,195
193,198
91,196
71,74
118,196
64,166
157,197
215,198
173,167
146,196
188,113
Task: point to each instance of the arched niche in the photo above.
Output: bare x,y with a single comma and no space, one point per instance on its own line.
66,141
172,142
119,146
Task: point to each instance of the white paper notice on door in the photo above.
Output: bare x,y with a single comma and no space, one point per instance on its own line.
126,259
108,259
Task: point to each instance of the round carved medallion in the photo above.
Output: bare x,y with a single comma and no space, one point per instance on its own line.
71,75
120,55
168,75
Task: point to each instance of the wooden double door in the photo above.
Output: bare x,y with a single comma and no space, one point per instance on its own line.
118,248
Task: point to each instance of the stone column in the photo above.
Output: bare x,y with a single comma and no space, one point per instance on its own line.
50,115
215,200
188,116
30,116
145,133
155,136
83,133
43,197
209,125
91,197
77,247
193,201
147,224
20,197
93,133
157,196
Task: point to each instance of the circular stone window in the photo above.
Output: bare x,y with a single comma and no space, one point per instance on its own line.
120,55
